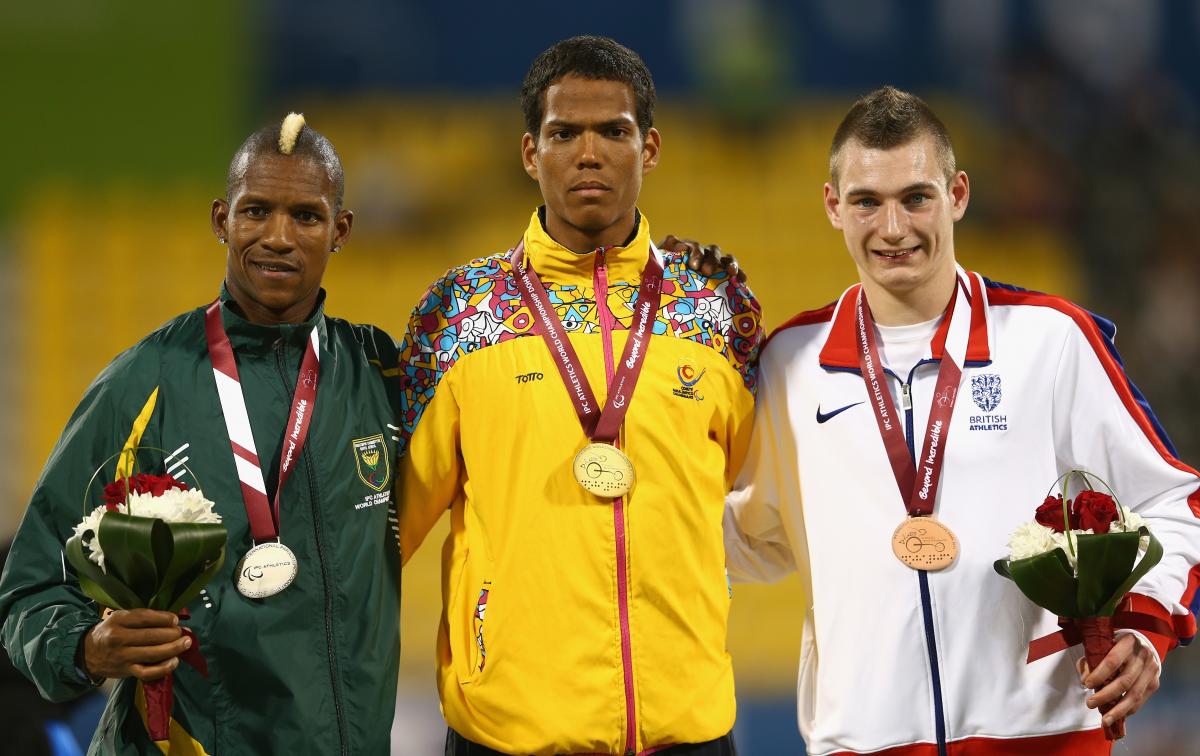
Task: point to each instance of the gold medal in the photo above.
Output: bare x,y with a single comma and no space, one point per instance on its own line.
923,543
604,470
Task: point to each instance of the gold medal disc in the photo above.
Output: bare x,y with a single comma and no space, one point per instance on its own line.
604,470
923,543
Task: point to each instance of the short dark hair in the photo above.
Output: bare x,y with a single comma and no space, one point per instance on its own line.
587,57
310,145
888,118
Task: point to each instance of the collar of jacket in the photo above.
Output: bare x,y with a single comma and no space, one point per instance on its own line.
554,262
840,351
252,337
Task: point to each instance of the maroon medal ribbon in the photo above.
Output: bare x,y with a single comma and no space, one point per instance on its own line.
599,425
263,517
918,487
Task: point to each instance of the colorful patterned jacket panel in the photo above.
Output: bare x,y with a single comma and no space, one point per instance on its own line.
478,305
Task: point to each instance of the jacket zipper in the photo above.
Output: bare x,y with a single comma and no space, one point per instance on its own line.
607,324
939,714
312,494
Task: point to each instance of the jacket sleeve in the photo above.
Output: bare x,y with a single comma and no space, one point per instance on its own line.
43,613
1103,425
430,470
756,540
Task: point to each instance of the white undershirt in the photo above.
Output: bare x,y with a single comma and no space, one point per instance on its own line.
902,347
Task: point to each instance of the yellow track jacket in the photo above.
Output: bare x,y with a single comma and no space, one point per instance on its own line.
571,623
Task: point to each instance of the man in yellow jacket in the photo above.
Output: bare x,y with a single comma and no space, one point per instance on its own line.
579,405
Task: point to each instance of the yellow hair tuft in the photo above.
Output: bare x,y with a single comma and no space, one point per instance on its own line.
289,131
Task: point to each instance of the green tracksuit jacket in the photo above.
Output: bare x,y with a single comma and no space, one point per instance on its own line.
311,670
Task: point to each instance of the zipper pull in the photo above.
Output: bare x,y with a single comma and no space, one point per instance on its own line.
905,396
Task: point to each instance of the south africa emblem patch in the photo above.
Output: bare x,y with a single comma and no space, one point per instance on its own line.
985,390
371,458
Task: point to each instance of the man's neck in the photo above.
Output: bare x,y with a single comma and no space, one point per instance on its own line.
582,241
890,308
257,314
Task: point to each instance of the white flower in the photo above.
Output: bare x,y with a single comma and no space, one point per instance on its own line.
91,524
1133,521
175,506
1029,540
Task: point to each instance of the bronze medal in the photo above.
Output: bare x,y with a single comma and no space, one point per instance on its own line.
923,543
604,470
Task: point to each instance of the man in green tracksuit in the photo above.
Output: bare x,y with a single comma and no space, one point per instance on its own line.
311,669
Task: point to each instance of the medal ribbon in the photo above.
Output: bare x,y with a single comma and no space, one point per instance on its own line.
263,517
918,495
599,426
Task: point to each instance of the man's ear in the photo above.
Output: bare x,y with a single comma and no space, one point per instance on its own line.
220,216
341,228
833,206
960,195
529,155
650,148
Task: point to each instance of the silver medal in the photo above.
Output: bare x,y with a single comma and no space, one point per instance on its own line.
267,569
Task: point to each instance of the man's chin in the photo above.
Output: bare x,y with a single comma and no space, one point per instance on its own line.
899,281
592,220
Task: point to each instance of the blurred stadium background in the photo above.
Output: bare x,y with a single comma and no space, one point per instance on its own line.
1076,119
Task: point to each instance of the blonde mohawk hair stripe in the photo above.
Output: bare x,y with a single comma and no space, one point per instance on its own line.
289,131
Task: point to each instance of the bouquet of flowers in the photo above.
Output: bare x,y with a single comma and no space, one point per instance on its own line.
1078,558
153,544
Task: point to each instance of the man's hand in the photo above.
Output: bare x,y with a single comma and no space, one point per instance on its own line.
705,259
1136,667
139,643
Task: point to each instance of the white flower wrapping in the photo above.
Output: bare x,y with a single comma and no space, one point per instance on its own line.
1034,538
173,505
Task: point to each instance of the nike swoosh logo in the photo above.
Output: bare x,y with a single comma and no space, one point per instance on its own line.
827,416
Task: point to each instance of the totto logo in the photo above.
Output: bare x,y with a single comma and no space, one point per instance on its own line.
527,377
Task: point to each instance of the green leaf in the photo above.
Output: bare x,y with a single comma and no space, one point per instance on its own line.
131,547
1048,581
1001,566
1105,560
97,584
1154,552
195,547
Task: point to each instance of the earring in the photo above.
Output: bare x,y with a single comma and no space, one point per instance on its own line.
221,239
337,248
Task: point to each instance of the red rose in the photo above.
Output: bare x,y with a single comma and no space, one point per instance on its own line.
1050,514
1096,511
114,494
155,485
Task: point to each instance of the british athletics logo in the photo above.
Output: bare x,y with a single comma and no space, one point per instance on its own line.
986,393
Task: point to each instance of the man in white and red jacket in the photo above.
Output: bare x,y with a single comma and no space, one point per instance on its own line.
898,659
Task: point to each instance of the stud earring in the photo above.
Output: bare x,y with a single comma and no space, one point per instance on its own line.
337,248
221,239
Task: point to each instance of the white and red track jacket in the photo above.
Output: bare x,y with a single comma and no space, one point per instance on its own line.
902,662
